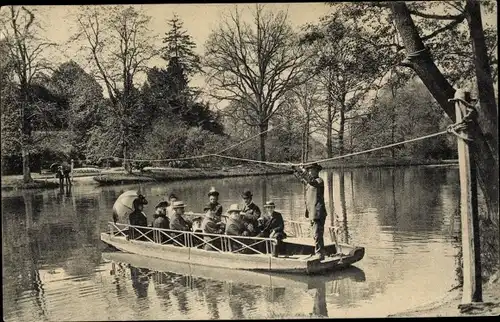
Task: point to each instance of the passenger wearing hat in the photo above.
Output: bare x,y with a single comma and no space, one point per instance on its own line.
212,224
235,224
315,204
214,205
170,210
160,221
177,221
272,225
251,213
137,217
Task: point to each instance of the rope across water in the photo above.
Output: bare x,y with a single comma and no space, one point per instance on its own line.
451,129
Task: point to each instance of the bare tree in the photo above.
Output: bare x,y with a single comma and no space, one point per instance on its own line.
119,44
346,67
255,65
24,51
308,99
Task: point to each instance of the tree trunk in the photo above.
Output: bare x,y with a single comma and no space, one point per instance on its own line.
329,116
487,113
306,150
341,130
263,137
25,134
423,65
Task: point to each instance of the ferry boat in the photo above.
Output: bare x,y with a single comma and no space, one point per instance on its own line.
235,252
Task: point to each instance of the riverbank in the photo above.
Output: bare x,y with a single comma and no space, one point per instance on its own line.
153,174
117,176
449,304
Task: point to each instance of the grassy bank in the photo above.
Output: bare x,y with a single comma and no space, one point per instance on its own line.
151,174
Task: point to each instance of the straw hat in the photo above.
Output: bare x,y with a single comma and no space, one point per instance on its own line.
178,204
234,208
269,204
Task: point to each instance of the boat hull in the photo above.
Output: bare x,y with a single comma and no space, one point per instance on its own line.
299,264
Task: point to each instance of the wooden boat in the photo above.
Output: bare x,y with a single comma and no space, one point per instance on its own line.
233,252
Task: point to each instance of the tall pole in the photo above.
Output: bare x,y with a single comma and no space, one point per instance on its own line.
472,287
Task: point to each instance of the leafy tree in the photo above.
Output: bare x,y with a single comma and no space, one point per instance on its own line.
23,47
84,97
254,65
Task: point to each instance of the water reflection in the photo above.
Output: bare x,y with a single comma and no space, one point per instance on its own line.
404,217
216,291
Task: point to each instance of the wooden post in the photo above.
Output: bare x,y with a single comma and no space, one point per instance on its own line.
472,285
72,167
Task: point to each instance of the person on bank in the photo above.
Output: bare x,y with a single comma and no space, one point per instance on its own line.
213,204
251,213
137,218
271,225
315,204
160,221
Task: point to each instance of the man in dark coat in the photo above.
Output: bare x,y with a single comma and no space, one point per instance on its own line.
251,213
137,218
214,205
161,221
177,221
235,225
315,204
272,225
212,224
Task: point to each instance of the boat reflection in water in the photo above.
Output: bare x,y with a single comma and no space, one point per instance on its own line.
241,291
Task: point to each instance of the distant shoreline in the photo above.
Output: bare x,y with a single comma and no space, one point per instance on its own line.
116,176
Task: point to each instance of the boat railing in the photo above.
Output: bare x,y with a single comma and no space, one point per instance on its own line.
304,229
215,242
301,229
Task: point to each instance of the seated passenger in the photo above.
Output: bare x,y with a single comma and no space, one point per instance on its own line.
272,225
214,204
236,225
170,210
137,218
251,213
212,224
161,221
177,221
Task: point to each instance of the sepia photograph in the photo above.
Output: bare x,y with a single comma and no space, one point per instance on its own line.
234,161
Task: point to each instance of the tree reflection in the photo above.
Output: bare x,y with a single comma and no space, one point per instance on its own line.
344,237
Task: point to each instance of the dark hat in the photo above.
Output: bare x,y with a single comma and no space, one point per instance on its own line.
313,166
269,204
138,201
213,192
172,196
162,204
246,194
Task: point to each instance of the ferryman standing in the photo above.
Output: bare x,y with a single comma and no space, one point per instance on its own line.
315,204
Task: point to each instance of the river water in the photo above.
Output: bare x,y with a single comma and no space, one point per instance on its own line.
55,267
